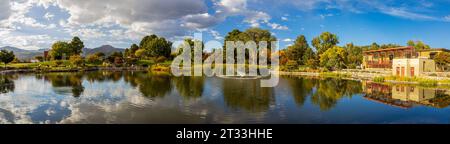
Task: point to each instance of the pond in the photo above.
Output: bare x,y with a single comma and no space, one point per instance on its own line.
140,97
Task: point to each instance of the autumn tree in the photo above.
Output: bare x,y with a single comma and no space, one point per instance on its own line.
334,58
297,51
59,50
442,59
324,42
355,55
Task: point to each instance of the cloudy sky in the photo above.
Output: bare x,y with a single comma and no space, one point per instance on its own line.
34,24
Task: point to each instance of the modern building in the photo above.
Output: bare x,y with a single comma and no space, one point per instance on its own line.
403,61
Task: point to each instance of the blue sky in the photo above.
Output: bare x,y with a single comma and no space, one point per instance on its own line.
34,24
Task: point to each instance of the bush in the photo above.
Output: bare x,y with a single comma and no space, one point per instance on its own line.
159,68
161,59
94,59
76,60
378,79
58,62
292,65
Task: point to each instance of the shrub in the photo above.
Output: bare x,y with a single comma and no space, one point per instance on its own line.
378,79
292,65
58,62
93,59
161,59
76,60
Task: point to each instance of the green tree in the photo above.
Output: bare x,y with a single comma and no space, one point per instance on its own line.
324,42
297,51
156,46
374,46
418,45
59,50
76,46
355,55
334,58
253,34
39,58
6,56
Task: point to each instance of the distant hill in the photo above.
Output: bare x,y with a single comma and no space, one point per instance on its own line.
23,54
106,49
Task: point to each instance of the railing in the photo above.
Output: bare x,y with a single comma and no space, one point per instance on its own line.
377,64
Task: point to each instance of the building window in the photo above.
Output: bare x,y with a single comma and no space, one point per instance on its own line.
403,71
398,71
412,71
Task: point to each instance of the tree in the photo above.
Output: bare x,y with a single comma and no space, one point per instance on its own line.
6,56
131,51
76,46
155,46
334,58
140,53
296,51
76,60
324,42
374,46
93,59
418,45
59,50
100,55
253,34
39,58
442,59
112,58
355,55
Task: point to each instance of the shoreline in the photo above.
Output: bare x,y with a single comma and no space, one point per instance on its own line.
347,75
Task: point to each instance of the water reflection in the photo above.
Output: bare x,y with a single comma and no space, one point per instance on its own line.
141,97
189,87
247,94
406,96
7,83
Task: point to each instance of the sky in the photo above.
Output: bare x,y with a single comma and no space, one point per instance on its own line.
36,24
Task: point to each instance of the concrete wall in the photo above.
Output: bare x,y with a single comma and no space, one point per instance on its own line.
419,66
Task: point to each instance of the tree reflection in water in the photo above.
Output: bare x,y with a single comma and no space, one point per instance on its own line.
7,83
247,94
331,90
189,87
301,88
62,80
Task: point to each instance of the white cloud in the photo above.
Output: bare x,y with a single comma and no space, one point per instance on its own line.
276,26
216,35
25,41
288,40
284,18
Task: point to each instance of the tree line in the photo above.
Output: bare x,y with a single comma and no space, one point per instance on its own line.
322,52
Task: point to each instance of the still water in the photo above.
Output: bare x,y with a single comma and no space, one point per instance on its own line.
139,97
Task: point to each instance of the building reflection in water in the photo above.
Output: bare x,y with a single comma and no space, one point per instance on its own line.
406,96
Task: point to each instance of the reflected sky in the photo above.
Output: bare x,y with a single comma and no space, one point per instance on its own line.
139,97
